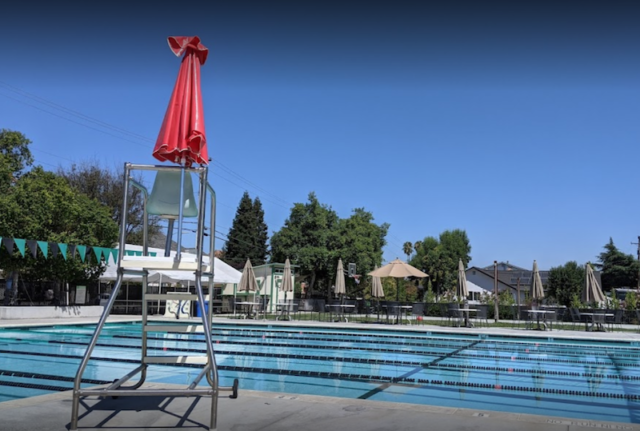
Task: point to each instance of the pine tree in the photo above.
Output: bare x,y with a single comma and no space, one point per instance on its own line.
248,235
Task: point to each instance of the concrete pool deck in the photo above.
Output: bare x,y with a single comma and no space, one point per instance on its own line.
255,410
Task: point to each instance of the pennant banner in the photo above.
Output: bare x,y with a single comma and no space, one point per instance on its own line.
63,250
33,247
66,250
82,251
20,243
53,246
8,244
44,248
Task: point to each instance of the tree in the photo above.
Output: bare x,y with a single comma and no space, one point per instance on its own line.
565,282
439,258
360,241
407,248
617,268
106,186
307,238
42,206
248,236
15,156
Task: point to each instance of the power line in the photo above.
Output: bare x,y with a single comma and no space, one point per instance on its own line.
123,134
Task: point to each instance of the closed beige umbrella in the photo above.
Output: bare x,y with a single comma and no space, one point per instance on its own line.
287,283
340,288
398,269
537,290
248,282
592,291
376,286
377,291
463,290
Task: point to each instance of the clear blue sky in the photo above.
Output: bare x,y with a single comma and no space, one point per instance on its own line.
518,122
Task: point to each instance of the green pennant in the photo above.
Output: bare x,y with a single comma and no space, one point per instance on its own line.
152,253
20,243
82,251
114,253
98,252
44,248
63,249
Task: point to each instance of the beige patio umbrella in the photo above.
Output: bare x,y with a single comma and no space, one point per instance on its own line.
377,291
536,292
287,284
248,281
340,288
592,291
463,291
376,286
398,269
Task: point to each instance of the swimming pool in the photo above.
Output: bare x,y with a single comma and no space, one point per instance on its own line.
565,378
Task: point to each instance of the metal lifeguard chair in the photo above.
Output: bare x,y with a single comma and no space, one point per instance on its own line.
164,201
182,141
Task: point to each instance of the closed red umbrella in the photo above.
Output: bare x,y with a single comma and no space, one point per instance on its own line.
182,137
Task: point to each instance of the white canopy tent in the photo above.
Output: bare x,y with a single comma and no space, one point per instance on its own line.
222,273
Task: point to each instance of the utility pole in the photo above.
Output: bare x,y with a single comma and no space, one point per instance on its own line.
638,244
496,296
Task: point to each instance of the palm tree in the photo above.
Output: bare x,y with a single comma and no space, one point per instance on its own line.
407,248
417,245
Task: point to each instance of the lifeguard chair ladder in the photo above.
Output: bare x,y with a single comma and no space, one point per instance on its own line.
165,184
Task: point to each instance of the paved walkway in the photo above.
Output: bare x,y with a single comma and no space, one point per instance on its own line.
283,412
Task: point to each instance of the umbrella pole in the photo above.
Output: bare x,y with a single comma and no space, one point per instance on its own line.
181,203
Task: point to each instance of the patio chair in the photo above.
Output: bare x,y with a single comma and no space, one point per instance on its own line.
444,313
560,312
482,313
392,309
305,306
575,317
417,310
263,305
616,319
319,307
454,314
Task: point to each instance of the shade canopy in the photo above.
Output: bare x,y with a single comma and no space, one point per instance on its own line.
462,290
340,288
222,272
398,269
248,282
592,291
376,287
536,292
182,137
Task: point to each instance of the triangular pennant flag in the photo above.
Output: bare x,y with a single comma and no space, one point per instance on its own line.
20,243
8,244
114,253
98,253
72,251
82,251
44,248
63,249
130,252
152,254
54,249
33,247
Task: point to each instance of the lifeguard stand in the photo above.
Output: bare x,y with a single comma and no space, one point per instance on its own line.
172,197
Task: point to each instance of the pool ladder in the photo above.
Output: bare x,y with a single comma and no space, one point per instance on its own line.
140,265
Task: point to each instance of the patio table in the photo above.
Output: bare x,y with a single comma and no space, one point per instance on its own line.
595,319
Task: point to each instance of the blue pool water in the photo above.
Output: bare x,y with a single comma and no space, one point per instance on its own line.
565,378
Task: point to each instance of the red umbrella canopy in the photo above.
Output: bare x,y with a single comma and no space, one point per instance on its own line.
182,137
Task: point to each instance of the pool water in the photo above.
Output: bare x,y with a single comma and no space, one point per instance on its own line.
565,378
